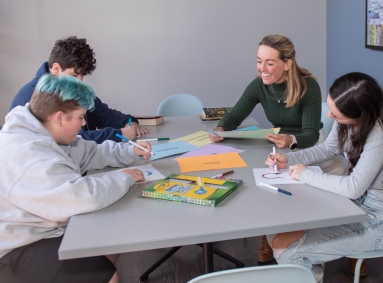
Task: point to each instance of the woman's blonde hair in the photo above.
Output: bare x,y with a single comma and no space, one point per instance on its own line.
296,84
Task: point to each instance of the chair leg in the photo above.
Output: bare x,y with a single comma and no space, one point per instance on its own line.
357,270
144,276
208,257
208,260
220,253
323,272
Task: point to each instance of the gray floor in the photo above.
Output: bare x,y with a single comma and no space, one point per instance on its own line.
187,263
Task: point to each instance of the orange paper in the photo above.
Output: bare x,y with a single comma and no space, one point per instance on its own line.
211,162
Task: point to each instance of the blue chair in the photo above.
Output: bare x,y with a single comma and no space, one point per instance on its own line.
180,105
327,122
287,273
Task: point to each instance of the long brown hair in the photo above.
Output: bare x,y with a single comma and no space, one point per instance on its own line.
357,96
296,85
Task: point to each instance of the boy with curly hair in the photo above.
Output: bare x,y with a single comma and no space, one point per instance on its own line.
72,56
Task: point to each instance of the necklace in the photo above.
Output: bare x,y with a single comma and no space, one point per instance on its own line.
279,99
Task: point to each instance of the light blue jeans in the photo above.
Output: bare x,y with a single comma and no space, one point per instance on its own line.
326,244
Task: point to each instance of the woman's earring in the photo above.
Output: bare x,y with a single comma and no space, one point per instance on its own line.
286,75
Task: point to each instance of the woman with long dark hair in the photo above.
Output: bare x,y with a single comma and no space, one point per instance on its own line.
355,101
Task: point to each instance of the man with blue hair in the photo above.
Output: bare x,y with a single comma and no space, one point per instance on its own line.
42,184
74,57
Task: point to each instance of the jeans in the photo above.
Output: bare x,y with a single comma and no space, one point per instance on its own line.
330,243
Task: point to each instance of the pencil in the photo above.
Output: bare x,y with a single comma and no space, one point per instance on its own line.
275,161
155,139
133,143
275,188
222,174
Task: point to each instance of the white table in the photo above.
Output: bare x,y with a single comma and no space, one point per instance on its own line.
135,224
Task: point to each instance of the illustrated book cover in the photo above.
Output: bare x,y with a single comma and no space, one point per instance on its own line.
191,189
214,113
150,120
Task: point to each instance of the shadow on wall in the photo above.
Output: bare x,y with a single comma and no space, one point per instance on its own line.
3,112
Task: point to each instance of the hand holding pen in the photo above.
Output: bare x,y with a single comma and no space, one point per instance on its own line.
280,159
140,148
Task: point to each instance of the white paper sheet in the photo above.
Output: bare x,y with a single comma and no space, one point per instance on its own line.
150,173
272,179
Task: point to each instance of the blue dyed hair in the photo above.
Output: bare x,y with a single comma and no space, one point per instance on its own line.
64,93
67,88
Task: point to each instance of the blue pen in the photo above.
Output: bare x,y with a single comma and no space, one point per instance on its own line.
133,143
275,188
129,122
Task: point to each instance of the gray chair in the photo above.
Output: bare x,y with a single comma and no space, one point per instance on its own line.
327,122
287,273
180,105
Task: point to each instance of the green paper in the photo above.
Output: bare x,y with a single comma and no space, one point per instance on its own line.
257,134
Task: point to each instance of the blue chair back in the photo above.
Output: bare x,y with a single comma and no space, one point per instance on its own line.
327,122
180,105
287,273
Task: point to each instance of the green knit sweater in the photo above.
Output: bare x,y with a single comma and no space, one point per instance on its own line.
302,120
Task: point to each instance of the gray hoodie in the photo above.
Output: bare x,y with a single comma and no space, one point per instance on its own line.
41,183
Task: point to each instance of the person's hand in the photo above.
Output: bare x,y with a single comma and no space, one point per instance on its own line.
296,170
281,159
216,138
139,131
129,132
139,152
137,174
280,140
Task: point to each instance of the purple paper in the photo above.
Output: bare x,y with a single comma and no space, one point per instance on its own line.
210,149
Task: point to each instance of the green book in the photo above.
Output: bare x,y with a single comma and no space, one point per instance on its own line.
191,189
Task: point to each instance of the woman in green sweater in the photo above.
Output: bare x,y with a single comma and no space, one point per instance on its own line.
291,98
289,94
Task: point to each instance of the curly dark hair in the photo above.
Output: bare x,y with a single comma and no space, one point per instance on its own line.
73,52
357,96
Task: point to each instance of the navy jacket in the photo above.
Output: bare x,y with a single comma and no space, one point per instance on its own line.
109,121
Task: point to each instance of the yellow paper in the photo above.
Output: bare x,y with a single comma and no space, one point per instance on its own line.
211,162
200,138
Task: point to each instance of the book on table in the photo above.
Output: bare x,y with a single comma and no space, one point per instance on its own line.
150,120
214,113
188,189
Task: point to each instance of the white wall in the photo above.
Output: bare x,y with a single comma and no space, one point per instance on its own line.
149,49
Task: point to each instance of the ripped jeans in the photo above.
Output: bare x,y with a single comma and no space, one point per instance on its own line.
325,244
